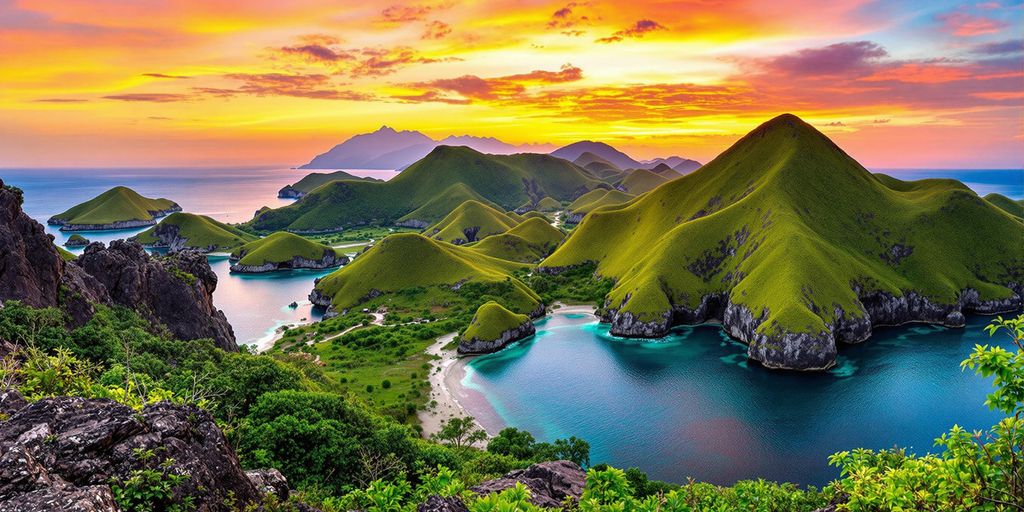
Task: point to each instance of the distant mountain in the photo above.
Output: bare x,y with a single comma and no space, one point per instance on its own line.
390,149
677,163
574,151
795,248
430,189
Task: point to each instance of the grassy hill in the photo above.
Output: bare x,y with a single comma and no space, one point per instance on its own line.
639,181
117,205
791,241
546,204
469,222
280,247
189,230
412,270
442,180
314,180
529,242
594,200
491,321
1015,208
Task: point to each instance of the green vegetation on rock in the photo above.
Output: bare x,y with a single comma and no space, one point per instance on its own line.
469,222
491,321
76,240
189,230
1015,208
118,205
789,227
314,180
65,254
429,189
280,247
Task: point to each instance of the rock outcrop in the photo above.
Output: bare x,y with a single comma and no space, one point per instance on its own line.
550,484
63,454
813,351
330,259
477,346
175,291
168,236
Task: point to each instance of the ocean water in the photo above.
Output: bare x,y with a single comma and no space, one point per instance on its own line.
692,405
254,304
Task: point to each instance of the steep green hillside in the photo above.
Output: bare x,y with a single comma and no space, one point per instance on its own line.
795,245
404,264
595,199
505,180
491,320
469,222
529,242
189,230
639,181
280,247
313,180
1015,208
117,205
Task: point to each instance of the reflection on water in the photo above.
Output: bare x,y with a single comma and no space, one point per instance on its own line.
691,405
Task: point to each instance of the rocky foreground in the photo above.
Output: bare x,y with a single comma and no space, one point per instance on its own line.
175,291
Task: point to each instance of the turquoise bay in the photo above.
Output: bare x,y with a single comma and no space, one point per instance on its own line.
690,405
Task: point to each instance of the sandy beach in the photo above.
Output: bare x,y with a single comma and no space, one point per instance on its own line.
447,372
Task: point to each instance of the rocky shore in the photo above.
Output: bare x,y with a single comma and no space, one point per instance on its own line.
477,346
329,260
813,351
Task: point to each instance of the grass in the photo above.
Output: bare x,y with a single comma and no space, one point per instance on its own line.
119,204
280,247
358,235
410,270
198,231
596,199
529,242
786,222
430,189
639,181
491,321
315,180
469,222
65,254
546,204
1015,208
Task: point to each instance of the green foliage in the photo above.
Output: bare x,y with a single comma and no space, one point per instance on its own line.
280,247
491,321
198,232
460,433
58,374
513,499
578,284
115,205
150,488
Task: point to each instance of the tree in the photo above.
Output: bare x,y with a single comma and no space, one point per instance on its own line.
513,442
459,433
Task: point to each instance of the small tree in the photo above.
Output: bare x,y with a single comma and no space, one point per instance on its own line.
459,433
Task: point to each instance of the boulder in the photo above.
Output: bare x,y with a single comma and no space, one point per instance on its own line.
550,483
442,504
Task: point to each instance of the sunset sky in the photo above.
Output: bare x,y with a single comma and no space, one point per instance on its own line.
164,83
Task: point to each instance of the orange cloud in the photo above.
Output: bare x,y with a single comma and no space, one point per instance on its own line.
964,24
635,31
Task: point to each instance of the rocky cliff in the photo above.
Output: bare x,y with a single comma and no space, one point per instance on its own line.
175,291
330,259
168,236
477,346
64,453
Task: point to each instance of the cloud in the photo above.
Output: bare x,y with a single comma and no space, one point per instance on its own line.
149,97
430,97
1001,48
967,25
636,31
384,61
834,59
313,86
357,62
568,17
835,124
398,13
436,30
881,121
472,87
60,100
162,75
316,53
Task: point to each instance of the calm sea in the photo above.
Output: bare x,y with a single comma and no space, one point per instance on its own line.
256,305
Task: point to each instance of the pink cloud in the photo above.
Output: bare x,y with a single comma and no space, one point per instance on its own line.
967,25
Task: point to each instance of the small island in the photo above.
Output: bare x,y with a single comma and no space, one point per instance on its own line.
284,251
493,327
314,180
192,231
117,208
76,240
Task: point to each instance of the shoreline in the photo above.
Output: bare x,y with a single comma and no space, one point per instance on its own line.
447,372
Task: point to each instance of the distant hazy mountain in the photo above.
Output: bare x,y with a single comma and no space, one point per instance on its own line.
390,149
677,163
611,155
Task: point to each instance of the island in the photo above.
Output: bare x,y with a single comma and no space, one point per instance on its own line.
117,208
192,231
76,240
314,180
493,327
284,251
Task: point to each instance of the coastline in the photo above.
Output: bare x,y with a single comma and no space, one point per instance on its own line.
447,372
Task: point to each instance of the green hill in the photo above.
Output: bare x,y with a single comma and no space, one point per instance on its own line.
594,200
119,207
189,230
587,158
494,327
469,222
795,246
313,180
410,267
504,180
529,242
1015,208
76,240
282,250
639,181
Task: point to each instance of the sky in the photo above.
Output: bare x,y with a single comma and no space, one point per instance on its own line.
130,83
